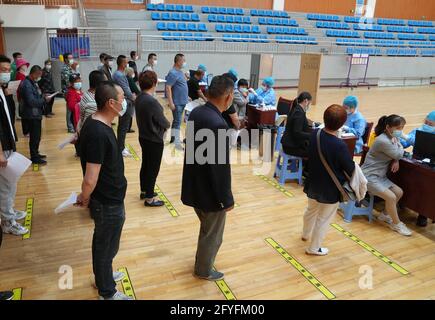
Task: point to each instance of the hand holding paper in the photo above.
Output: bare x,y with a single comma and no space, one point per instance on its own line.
71,201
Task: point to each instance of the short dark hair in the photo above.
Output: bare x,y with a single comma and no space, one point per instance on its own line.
74,77
334,117
177,57
47,61
120,59
151,55
4,59
95,78
243,83
147,80
220,85
105,91
34,69
132,53
16,54
392,120
108,57
301,97
102,56
65,55
199,73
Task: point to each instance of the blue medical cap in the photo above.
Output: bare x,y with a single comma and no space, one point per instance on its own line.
233,72
431,116
202,67
351,102
269,81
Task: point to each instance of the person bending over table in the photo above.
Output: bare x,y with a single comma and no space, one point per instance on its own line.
355,123
265,94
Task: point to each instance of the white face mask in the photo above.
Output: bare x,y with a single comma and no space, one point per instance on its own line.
48,67
5,77
124,108
71,61
184,66
155,62
111,63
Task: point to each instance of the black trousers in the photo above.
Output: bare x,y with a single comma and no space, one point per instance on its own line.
35,128
109,221
123,125
25,126
49,107
151,159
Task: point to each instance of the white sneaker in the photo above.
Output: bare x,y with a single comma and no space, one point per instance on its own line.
401,228
126,153
118,276
385,218
20,214
117,296
320,252
14,228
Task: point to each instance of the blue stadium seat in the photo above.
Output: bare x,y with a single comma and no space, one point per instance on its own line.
186,17
401,52
202,27
246,29
229,19
171,26
238,19
405,36
219,28
192,27
205,9
227,38
247,20
188,36
238,28
212,18
182,27
284,14
161,26
214,10
277,22
421,44
175,16
240,11
195,17
271,30
170,7
426,30
160,7
199,37
222,10
236,37
151,6
427,53
270,21
179,8
432,37
254,12
166,16
256,29
370,51
253,37
231,11
188,8
262,13
221,19
177,36
415,23
229,28
276,14
155,16
262,20
166,36
263,38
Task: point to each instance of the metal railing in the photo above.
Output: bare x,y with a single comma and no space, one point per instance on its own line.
47,3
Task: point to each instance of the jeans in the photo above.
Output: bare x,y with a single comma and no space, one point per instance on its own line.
109,220
123,125
8,191
209,240
177,114
35,128
151,158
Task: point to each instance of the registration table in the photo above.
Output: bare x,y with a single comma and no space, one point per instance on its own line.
417,181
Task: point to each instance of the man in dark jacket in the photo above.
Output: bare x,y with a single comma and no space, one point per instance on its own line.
8,137
207,175
46,85
32,106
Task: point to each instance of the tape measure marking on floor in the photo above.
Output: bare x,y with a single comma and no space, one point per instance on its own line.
307,275
18,293
28,219
276,185
167,203
132,151
35,167
225,289
127,287
370,249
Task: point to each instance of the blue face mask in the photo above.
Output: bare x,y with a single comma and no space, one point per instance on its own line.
428,128
397,133
5,77
77,85
124,108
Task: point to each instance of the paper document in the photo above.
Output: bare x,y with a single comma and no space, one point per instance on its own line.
67,141
17,165
13,86
53,95
161,81
67,203
347,135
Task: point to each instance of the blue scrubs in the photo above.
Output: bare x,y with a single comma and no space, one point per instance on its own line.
357,126
411,136
268,97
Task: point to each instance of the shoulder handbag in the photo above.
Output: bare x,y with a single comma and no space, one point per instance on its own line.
347,194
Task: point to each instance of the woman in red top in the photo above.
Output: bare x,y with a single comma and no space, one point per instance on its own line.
73,97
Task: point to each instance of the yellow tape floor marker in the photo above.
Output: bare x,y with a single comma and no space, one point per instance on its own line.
225,289
236,205
132,151
307,275
18,293
127,287
277,186
35,167
28,220
168,203
370,249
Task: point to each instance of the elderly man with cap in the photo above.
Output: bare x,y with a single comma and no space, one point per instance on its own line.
265,94
355,123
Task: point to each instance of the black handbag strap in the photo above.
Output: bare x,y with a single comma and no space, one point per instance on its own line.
330,172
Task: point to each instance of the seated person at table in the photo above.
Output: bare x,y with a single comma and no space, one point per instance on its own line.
384,156
240,99
295,139
232,73
428,126
355,123
203,68
265,94
193,85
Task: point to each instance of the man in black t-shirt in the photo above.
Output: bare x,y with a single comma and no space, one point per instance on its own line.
194,88
104,186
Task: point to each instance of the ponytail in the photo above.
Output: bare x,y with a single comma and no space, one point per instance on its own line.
392,121
380,127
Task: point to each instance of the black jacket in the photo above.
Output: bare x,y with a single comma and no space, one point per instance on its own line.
46,83
207,186
31,101
133,65
107,71
297,132
6,136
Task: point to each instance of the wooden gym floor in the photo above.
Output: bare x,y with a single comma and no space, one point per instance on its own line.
158,249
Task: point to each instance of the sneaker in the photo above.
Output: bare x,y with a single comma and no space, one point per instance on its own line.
154,203
117,296
6,295
118,276
14,228
126,153
320,252
401,228
385,218
20,214
214,276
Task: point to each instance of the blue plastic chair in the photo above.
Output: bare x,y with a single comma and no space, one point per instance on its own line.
151,6
229,28
238,28
155,16
288,168
246,20
186,17
281,129
214,10
172,26
227,38
179,8
253,37
170,7
219,28
238,19
212,18
195,17
202,27
221,19
350,209
175,16
160,7
166,16
188,37
192,27
188,8
236,37
246,29
240,11
254,12
229,19
166,36
222,10
177,36
182,27
255,29
199,37
161,26
205,9
231,11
